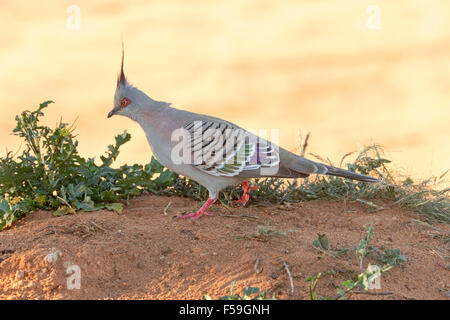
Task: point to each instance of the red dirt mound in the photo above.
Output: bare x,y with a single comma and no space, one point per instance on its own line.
145,254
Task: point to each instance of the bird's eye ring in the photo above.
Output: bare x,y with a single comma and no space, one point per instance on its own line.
125,102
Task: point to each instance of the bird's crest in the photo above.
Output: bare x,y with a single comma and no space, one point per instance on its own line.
121,77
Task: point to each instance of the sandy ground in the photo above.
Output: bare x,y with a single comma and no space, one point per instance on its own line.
144,254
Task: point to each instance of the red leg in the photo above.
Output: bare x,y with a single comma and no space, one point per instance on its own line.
201,211
246,196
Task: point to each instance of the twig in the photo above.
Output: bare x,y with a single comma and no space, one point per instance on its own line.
290,277
325,252
239,216
167,207
97,226
66,203
345,156
423,223
370,204
321,159
256,267
374,293
225,205
305,144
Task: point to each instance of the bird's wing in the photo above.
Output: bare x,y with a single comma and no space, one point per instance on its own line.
220,148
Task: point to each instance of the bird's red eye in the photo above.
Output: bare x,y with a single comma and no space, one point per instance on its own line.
125,102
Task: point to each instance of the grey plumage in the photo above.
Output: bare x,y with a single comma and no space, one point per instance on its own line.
220,153
237,161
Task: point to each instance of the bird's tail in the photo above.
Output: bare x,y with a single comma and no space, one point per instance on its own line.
305,166
332,171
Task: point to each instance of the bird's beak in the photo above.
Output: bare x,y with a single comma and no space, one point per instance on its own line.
113,112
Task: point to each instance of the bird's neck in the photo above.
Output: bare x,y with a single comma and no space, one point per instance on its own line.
152,112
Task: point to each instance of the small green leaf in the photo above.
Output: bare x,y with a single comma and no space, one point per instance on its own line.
62,211
87,204
117,207
321,242
155,166
250,290
4,206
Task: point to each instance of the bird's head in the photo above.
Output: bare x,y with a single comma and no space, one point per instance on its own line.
129,101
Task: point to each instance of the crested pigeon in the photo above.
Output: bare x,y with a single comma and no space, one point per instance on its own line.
214,152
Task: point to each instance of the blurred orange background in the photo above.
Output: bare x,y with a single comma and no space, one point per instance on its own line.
350,73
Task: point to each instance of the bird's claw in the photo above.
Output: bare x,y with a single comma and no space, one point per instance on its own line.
243,200
246,196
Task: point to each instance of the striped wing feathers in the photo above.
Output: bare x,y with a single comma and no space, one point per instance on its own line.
221,149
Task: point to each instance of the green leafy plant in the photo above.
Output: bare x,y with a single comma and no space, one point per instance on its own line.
251,293
424,198
314,281
322,245
365,276
50,173
363,247
321,242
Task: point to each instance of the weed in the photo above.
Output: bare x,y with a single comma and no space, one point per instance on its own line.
262,234
366,277
314,281
251,293
321,244
50,174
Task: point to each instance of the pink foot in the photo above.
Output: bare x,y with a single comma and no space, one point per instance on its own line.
243,200
200,212
246,196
